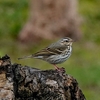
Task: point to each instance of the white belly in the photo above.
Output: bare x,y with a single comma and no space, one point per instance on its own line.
56,59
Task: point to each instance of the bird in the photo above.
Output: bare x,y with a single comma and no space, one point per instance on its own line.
55,53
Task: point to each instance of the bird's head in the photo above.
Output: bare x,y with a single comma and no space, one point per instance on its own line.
66,41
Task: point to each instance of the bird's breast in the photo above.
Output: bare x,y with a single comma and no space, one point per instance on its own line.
59,58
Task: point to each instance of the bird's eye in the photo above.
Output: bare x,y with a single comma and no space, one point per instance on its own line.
66,41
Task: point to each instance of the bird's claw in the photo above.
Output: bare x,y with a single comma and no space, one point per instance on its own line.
60,69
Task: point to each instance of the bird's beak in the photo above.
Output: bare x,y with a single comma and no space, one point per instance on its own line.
72,41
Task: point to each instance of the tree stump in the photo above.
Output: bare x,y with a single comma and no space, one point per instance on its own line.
49,19
24,83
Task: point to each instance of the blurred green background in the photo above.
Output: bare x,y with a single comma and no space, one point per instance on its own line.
84,64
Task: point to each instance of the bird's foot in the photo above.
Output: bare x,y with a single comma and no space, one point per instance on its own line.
59,69
62,70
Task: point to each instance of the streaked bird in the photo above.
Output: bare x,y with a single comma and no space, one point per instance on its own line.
55,53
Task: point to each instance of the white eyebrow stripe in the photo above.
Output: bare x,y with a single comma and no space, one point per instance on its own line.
65,39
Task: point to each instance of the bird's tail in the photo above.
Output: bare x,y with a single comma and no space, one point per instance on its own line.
25,57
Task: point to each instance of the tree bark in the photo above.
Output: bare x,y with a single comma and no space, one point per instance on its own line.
24,83
49,19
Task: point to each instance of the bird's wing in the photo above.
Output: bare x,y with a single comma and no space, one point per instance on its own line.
49,51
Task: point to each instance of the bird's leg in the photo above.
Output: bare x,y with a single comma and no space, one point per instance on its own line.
59,69
56,67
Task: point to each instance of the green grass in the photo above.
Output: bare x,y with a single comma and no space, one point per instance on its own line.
84,64
89,9
12,16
